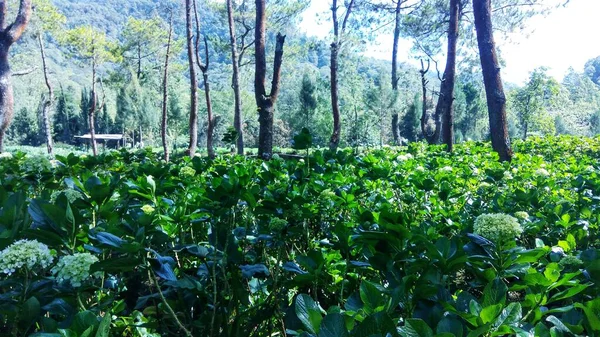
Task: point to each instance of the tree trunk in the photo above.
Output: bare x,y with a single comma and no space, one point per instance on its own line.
165,87
7,99
9,34
204,68
396,129
397,31
334,142
446,100
264,102
49,100
235,81
193,127
139,63
92,111
496,99
338,33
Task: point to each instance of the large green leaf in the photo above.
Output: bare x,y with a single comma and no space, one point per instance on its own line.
416,328
309,313
333,325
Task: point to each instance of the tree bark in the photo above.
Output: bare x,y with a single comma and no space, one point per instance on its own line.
92,111
204,68
496,99
49,100
338,32
235,81
334,142
265,102
397,31
193,126
165,87
9,34
445,104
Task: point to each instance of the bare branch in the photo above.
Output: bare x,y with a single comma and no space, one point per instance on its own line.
24,72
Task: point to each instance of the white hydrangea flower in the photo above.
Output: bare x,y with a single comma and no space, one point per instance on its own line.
74,269
498,228
542,172
507,175
187,172
6,155
420,169
29,254
590,169
515,170
447,169
475,171
522,215
405,157
485,184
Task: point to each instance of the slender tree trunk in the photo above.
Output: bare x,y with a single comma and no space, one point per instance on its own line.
265,102
397,31
445,104
424,115
139,63
193,126
334,142
92,111
49,100
496,99
204,68
396,129
7,100
9,34
165,87
336,46
235,81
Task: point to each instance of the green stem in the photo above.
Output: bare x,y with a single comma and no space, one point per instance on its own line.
164,300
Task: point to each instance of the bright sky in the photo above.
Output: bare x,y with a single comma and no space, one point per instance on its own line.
565,38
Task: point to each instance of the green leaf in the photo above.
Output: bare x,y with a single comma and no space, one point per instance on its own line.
489,313
333,325
574,290
104,327
494,293
308,313
371,295
450,325
416,328
552,272
30,312
510,315
84,321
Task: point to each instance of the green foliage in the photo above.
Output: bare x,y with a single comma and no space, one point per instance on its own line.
338,244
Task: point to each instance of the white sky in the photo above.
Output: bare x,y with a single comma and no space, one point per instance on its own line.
567,37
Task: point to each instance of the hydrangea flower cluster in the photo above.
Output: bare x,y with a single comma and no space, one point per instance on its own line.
522,215
6,155
187,172
29,254
498,228
74,269
570,262
405,157
420,169
446,169
147,209
277,224
542,172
